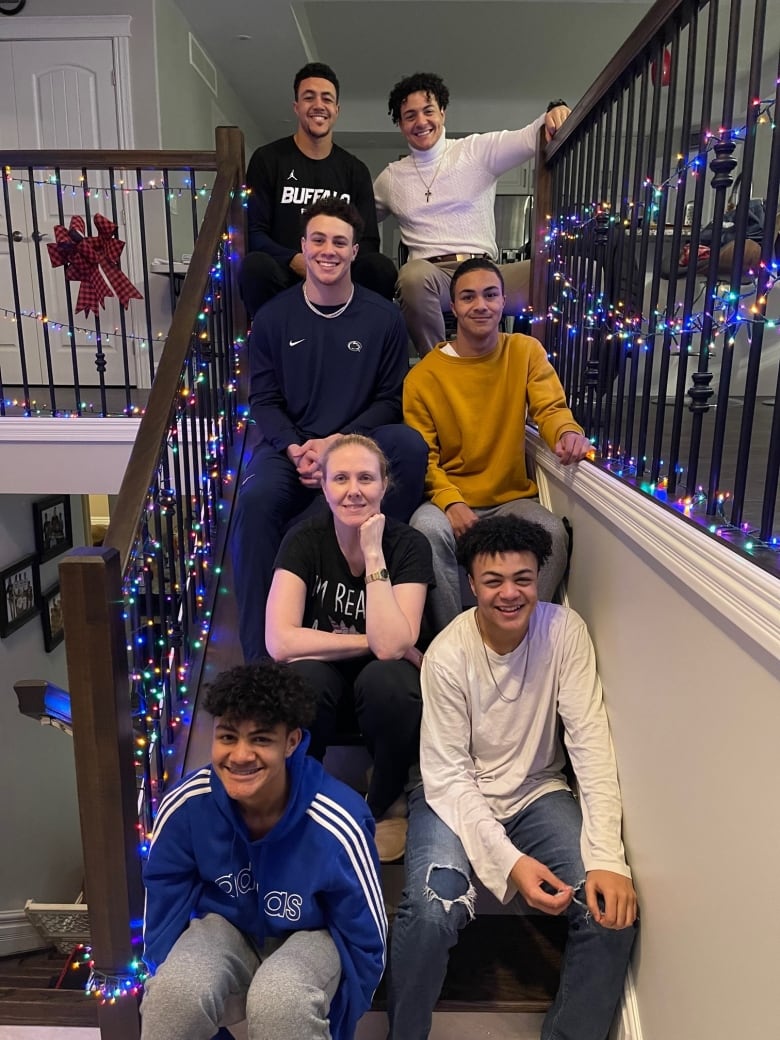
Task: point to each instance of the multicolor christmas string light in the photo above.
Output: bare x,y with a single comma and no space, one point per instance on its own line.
164,578
107,988
121,186
691,504
720,317
765,115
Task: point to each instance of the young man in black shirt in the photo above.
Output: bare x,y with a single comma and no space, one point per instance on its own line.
290,174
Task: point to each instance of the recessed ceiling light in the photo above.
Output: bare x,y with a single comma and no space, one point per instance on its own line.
243,36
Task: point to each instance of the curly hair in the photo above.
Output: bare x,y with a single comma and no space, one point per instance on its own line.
268,693
428,82
496,535
330,206
315,70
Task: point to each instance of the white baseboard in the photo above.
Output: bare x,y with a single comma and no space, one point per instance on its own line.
17,935
626,1025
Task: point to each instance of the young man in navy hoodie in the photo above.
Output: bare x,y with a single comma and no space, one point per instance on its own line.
262,894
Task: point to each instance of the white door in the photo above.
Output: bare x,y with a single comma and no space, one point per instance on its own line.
16,338
63,97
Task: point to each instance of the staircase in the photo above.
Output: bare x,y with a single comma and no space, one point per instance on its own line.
43,987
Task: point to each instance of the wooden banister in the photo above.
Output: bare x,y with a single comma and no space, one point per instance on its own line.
151,436
96,159
103,745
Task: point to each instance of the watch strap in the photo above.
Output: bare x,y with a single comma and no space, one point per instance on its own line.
381,575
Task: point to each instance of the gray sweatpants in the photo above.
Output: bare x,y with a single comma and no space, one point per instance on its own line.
213,976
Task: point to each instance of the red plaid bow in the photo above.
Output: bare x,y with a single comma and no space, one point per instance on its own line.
83,259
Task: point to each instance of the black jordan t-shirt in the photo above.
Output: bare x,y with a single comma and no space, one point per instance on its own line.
335,598
284,182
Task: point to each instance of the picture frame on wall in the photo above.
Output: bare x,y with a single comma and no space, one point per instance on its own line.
53,529
51,617
20,594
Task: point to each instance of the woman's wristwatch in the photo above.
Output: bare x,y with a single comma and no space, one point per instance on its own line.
381,575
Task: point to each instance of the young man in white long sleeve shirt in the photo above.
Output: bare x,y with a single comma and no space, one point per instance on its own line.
495,683
443,194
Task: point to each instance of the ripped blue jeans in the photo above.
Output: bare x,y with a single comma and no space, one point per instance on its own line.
438,900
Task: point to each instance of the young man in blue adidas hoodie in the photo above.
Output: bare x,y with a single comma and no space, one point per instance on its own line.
261,882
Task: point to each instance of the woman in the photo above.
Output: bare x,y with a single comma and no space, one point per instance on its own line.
345,608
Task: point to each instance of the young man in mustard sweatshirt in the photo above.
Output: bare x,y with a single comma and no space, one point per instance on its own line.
469,400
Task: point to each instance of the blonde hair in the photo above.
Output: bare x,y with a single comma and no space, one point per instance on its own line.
357,440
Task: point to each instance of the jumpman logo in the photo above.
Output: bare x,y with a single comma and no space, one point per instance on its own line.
291,175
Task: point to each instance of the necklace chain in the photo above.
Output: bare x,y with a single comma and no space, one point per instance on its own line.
428,184
499,691
332,314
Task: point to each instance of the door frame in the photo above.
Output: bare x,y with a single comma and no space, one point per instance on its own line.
115,27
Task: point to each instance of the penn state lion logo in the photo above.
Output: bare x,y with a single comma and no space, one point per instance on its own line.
355,346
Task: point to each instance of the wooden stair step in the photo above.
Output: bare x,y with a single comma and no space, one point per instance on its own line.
11,980
502,963
52,1007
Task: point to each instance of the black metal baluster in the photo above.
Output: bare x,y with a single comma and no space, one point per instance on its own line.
649,212
169,240
122,320
722,166
100,357
730,332
655,292
685,336
180,585
74,358
36,236
624,301
763,279
145,264
633,239
17,304
609,341
562,257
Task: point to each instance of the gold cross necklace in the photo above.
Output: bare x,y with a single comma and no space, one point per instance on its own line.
428,184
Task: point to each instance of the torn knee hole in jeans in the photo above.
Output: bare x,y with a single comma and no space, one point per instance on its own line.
443,878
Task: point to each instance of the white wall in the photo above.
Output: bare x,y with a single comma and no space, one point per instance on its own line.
189,110
142,57
41,857
688,642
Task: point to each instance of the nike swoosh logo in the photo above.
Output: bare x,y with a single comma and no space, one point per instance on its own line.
295,342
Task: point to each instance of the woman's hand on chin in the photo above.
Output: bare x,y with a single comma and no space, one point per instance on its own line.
370,532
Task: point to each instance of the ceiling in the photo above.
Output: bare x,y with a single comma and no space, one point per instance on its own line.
502,59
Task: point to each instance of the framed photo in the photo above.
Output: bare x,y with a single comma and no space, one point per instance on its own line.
51,617
53,531
20,594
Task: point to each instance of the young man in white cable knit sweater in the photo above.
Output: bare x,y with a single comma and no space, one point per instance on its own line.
442,195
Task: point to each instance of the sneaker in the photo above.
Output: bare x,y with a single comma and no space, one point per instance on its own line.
391,839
